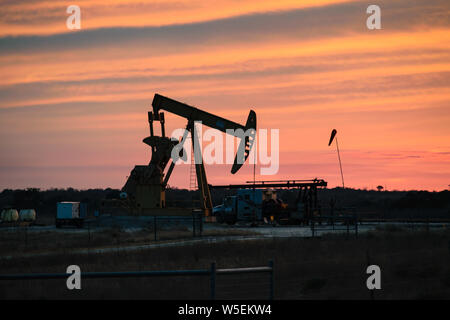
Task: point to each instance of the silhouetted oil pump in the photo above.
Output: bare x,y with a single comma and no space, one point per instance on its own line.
146,185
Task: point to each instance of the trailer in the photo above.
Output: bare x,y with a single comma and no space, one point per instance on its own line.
258,202
70,213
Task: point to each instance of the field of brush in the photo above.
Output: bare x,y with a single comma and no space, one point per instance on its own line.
19,241
414,265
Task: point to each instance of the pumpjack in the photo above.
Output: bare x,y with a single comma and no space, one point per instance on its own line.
144,191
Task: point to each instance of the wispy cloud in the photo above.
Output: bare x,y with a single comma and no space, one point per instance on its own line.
48,17
79,99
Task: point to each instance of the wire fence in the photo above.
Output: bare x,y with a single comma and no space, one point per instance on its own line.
405,274
350,223
98,233
411,274
340,223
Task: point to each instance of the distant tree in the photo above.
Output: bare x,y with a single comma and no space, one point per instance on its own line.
380,188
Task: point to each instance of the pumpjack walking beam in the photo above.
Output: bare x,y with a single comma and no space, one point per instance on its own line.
247,134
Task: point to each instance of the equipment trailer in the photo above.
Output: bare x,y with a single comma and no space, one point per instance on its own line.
257,202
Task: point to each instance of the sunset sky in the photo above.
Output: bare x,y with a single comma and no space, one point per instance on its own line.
73,103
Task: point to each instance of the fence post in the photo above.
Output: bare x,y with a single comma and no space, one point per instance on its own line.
26,237
348,226
271,280
89,233
213,281
154,226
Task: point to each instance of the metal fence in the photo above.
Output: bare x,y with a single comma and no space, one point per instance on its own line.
213,273
103,232
334,223
196,221
156,224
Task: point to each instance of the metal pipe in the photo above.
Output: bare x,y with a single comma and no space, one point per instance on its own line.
130,274
317,183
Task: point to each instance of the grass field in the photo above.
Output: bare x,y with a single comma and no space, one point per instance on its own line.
414,265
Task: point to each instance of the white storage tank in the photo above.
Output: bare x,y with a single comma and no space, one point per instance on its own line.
27,215
10,215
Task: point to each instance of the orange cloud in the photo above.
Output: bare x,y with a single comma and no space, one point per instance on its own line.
79,101
49,17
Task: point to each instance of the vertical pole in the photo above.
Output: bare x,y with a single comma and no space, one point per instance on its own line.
26,236
254,196
315,201
154,226
161,120
89,241
150,122
348,226
213,281
200,216
332,211
271,280
340,164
